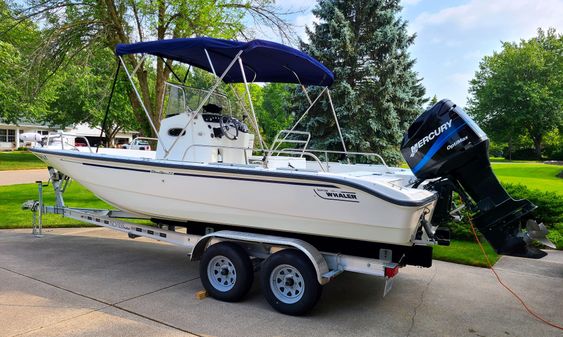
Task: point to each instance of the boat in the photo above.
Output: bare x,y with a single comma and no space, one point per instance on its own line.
209,171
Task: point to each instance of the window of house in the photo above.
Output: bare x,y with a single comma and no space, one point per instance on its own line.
7,135
11,136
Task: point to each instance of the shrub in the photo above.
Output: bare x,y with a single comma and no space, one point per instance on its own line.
549,211
496,150
521,154
550,204
556,235
461,230
554,152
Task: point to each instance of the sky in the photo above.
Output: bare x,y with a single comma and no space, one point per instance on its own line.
452,36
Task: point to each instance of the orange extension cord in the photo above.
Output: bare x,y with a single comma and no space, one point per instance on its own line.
530,311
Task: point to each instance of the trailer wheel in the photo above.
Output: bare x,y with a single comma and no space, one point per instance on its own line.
289,282
226,271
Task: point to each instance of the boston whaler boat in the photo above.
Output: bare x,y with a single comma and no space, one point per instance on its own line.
287,206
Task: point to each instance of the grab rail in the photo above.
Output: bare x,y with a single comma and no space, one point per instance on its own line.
146,138
290,151
61,136
287,133
366,154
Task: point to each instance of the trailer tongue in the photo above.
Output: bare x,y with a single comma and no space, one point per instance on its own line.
446,148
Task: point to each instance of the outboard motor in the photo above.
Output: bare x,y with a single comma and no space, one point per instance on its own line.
444,144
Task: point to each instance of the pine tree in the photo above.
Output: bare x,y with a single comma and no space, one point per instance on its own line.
376,92
432,102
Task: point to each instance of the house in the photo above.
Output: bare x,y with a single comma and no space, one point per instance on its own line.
93,135
10,133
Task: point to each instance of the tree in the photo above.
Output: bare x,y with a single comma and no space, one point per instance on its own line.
75,26
274,110
432,102
77,93
520,90
82,94
376,92
17,43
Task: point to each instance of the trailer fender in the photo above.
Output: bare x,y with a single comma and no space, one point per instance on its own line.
316,258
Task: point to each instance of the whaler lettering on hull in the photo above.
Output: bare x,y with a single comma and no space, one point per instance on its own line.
336,195
162,172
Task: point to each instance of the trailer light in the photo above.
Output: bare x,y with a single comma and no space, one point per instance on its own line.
391,272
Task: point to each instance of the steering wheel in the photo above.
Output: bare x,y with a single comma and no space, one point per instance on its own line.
229,127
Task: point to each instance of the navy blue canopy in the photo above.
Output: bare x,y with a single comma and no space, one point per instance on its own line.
264,61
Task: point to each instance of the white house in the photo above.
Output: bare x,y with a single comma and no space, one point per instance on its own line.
93,134
10,133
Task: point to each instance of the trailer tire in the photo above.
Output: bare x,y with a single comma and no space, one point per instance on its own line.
226,271
289,282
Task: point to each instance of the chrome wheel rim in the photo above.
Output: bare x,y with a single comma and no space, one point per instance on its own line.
287,284
221,273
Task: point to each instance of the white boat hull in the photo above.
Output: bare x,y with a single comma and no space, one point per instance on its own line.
307,203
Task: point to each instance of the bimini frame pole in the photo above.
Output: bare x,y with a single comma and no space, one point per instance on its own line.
210,63
140,100
337,124
302,86
246,115
203,101
255,120
299,120
108,106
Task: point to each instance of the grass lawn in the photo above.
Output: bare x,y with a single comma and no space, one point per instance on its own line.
19,160
465,252
534,175
12,196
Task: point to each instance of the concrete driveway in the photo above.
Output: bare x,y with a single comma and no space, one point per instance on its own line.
96,282
12,177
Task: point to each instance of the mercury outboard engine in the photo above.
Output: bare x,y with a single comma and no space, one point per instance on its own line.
445,145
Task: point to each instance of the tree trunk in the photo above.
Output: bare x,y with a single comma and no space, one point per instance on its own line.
537,147
112,134
139,114
510,149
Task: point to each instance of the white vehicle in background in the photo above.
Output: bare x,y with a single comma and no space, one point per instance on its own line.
139,143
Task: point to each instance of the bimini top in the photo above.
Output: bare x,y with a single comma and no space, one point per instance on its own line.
264,61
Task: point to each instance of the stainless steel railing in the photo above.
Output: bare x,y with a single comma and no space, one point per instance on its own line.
62,135
278,141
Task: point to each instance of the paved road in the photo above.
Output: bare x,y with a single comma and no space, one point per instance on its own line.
13,177
96,282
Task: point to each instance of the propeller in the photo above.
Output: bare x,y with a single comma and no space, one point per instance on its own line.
537,231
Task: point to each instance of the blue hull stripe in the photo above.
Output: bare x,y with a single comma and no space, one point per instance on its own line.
436,147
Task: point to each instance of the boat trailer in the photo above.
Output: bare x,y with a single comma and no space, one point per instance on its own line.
257,247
